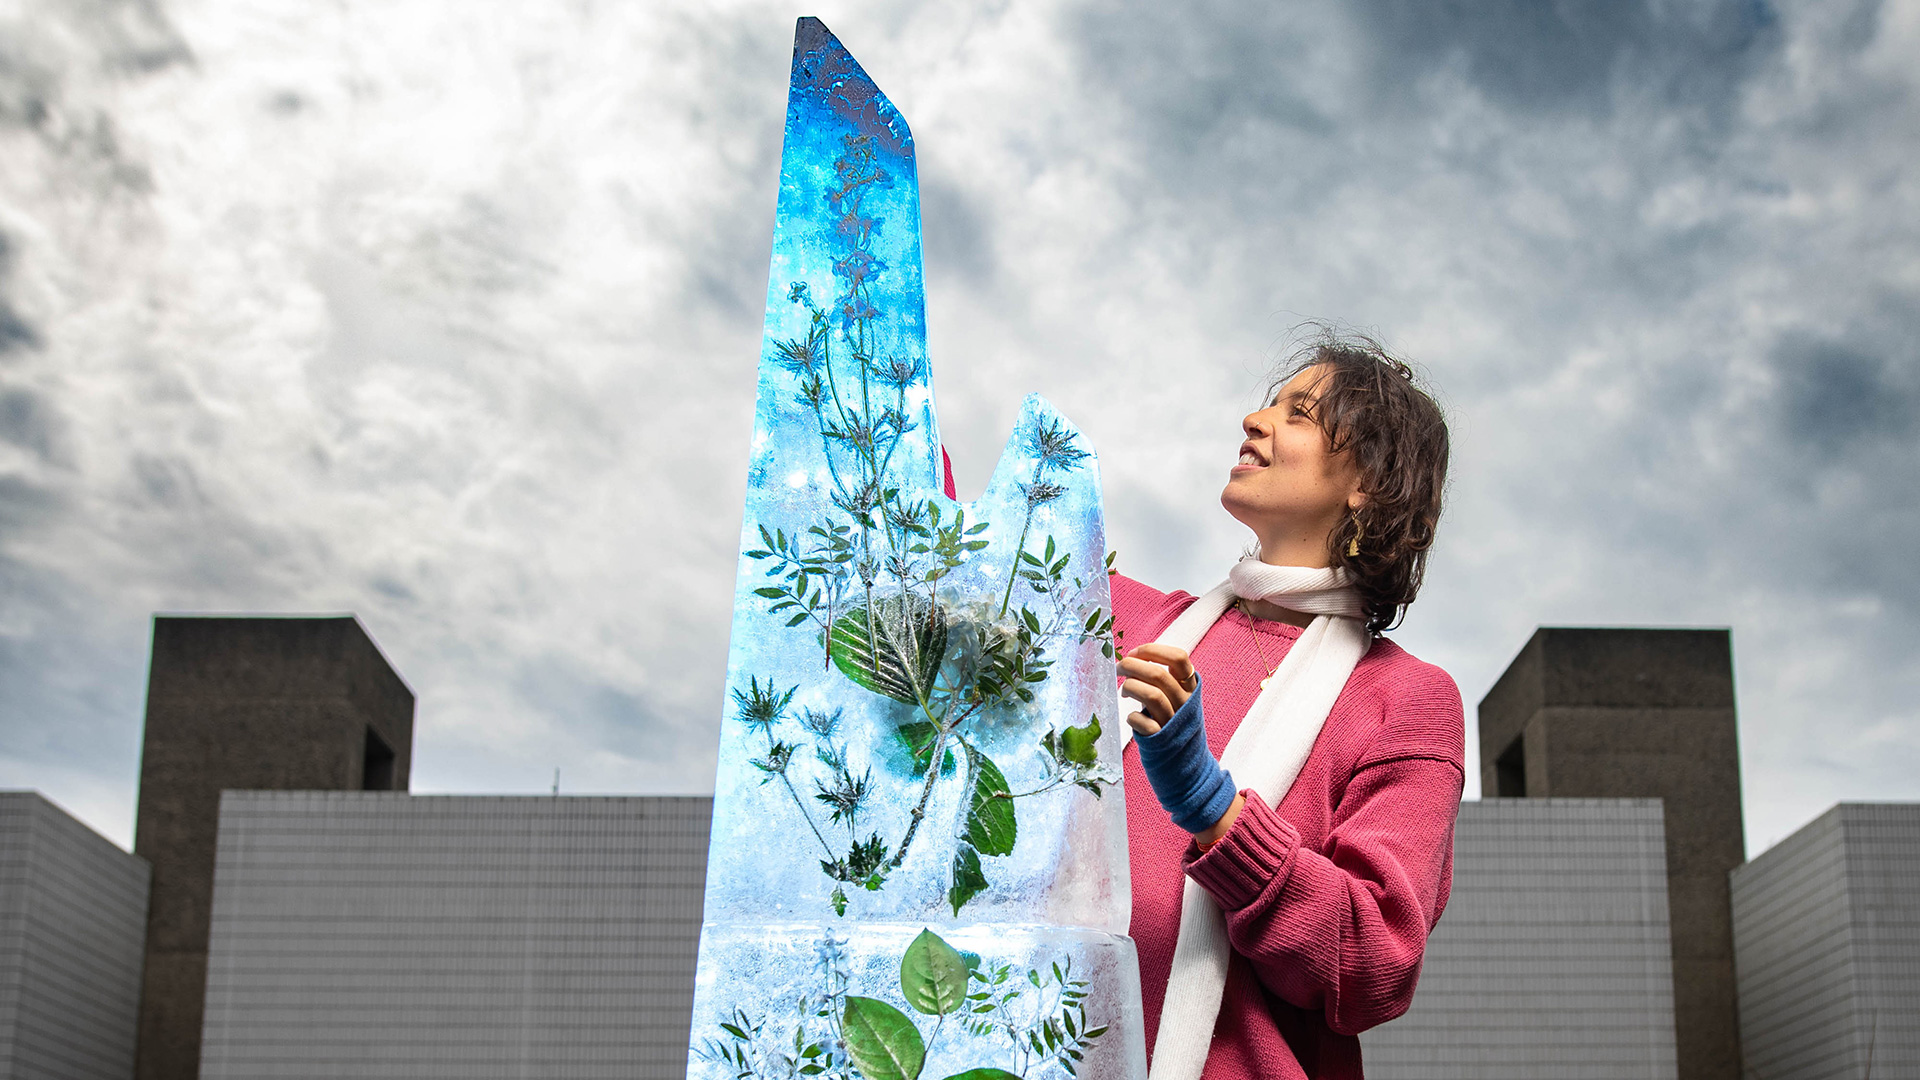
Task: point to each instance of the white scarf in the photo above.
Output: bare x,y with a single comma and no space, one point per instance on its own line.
1265,754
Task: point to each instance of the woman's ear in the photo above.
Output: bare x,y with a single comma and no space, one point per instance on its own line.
1356,501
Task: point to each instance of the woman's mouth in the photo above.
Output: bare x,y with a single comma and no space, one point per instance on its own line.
1249,461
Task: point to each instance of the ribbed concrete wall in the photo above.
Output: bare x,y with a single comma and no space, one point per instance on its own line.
386,935
1826,928
1552,961
73,916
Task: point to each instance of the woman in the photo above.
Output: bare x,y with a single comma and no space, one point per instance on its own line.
1280,914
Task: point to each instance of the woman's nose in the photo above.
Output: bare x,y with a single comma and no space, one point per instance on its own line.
1254,425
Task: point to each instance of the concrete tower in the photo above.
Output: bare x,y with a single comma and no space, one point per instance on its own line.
1633,713
255,704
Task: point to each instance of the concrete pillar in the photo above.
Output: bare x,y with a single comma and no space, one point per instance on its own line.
252,704
1637,713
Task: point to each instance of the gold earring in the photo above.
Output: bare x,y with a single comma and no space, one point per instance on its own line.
1353,545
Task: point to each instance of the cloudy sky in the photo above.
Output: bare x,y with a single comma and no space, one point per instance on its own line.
446,314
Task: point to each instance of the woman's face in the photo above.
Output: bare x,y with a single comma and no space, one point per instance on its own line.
1286,487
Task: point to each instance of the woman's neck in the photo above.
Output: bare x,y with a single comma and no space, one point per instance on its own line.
1260,609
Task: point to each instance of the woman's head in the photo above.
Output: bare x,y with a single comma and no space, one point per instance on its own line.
1345,466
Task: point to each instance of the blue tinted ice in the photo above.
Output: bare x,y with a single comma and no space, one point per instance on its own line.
919,849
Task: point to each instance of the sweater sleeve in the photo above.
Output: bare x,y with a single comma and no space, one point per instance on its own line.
1341,930
1141,612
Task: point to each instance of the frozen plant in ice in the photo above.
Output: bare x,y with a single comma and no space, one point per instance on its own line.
864,581
1031,1023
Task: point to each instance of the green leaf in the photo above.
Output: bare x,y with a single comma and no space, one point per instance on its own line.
968,881
771,592
1077,743
884,1044
933,975
839,901
918,737
990,823
893,649
982,527
984,1074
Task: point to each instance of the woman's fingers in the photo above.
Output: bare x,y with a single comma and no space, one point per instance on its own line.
1160,676
1152,698
1173,658
1142,724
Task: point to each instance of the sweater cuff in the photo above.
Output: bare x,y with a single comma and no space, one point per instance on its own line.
1242,863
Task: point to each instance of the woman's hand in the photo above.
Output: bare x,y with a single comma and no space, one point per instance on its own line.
1171,736
1159,677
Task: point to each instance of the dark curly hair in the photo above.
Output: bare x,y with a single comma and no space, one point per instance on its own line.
1371,406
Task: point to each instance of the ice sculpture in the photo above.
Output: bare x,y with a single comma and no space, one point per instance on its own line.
918,865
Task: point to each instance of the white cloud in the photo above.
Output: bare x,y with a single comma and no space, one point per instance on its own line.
447,316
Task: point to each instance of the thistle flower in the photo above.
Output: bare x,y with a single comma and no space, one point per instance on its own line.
797,356
760,707
776,761
907,516
845,795
821,722
897,371
1042,493
813,392
1054,445
860,500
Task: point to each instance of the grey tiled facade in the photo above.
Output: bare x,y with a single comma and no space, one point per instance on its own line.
384,935
1826,928
73,913
1552,961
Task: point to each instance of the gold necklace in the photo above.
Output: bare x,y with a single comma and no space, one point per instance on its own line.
1271,668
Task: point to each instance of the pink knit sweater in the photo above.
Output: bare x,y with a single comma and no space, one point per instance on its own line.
1329,897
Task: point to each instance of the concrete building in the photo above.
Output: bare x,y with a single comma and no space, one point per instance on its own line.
255,703
308,926
1826,928
1552,959
384,935
1634,713
73,909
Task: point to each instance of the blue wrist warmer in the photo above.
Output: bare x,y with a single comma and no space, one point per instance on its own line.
1190,784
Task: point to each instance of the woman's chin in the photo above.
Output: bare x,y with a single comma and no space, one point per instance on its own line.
1234,503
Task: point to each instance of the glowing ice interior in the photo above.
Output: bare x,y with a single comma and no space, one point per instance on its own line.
918,864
